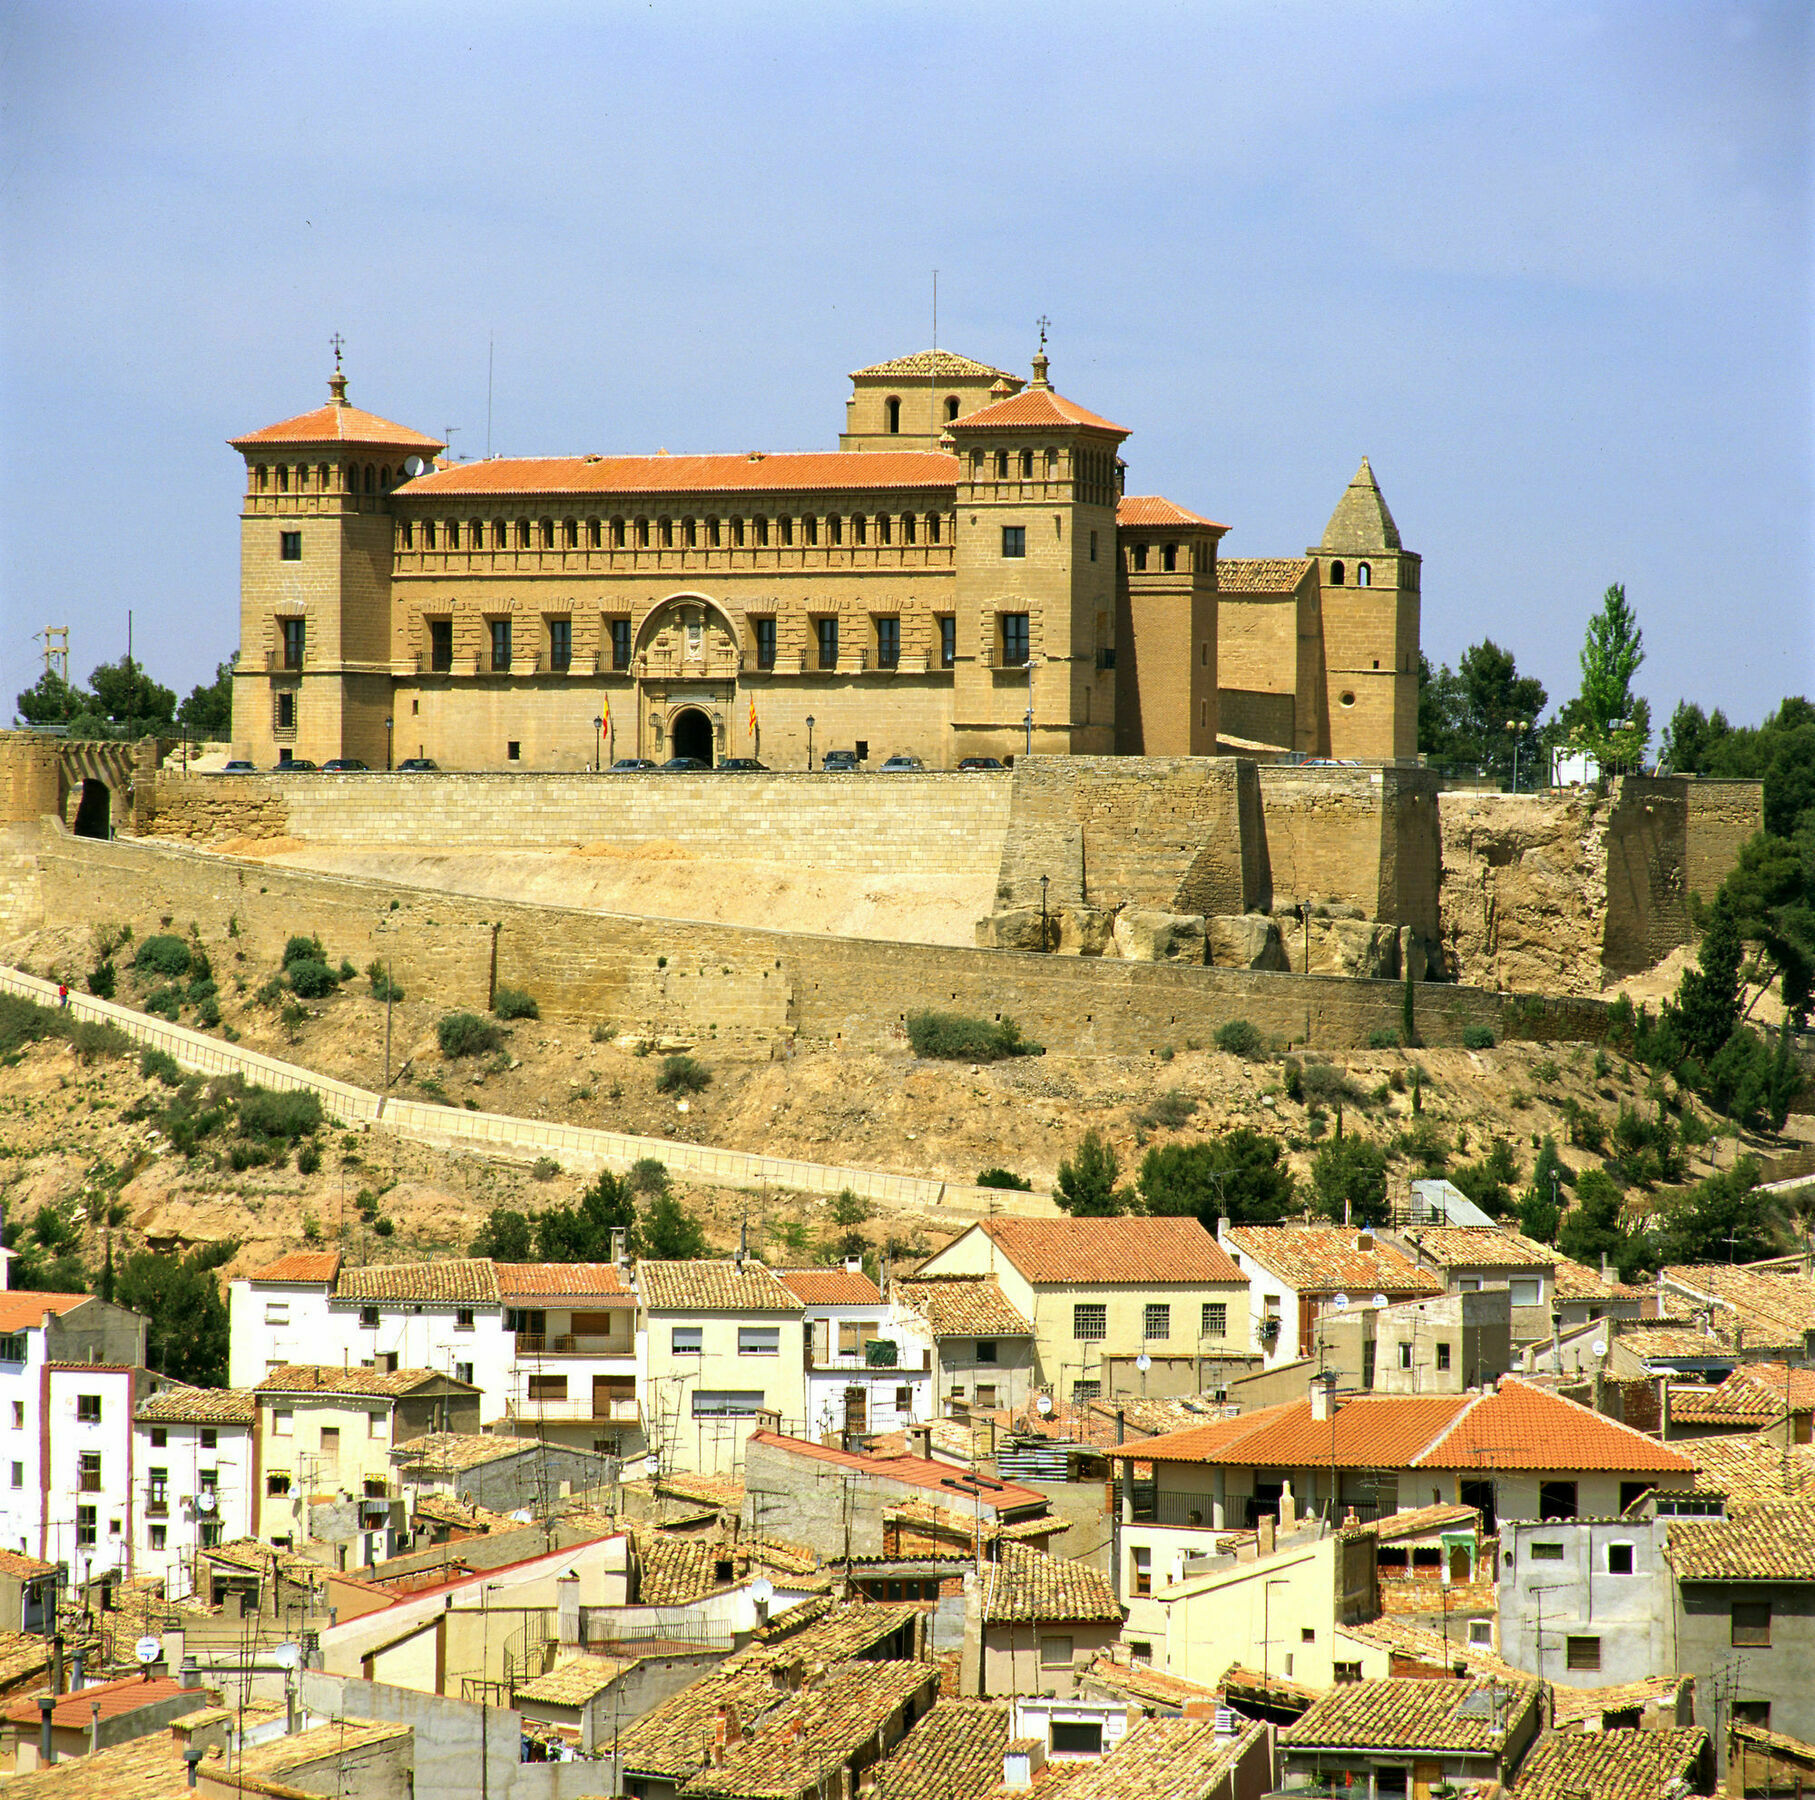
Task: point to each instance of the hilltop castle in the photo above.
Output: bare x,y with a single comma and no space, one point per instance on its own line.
966,558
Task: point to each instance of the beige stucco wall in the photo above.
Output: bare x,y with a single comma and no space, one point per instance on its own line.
715,1446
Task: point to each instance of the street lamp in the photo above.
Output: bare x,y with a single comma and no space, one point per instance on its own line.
389,726
809,741
1045,942
598,743
1518,728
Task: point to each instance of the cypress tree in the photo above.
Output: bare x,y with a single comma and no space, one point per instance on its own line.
1707,998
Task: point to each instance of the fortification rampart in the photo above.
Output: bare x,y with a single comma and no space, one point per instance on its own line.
666,977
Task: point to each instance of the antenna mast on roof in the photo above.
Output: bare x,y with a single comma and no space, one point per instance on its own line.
491,339
932,376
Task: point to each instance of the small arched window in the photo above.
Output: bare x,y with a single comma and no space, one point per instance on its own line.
976,467
1027,465
1001,465
1169,557
522,534
617,534
1052,465
1364,576
371,478
860,527
761,523
737,533
1139,553
893,408
785,528
907,528
664,534
428,534
592,534
499,528
548,534
951,408
384,478
810,525
835,528
283,478
321,475
1336,574
642,534
932,528
407,533
264,478
882,528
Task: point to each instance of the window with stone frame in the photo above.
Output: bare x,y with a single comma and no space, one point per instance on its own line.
560,645
619,632
294,632
825,628
1089,1323
1156,1322
500,640
1215,1320
948,640
441,645
888,641
763,630
1014,540
1014,640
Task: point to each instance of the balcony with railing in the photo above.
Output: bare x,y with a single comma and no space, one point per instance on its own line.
584,1408
569,1343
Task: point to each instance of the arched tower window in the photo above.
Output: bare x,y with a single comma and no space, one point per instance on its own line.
882,528
1364,576
1140,558
642,534
499,539
283,478
371,478
322,478
1027,465
1052,465
384,478
907,528
263,481
1336,574
617,534
932,528
428,533
894,412
1001,465
859,528
951,408
1169,557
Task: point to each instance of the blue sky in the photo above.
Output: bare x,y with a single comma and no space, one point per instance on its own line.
1548,266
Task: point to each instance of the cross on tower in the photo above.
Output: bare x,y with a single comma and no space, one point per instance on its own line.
338,344
1045,324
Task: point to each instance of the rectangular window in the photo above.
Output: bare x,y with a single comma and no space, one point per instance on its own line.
1014,640
1752,1622
209,1536
986,1350
88,1479
208,1479
1072,1739
277,1312
1443,1356
1619,1559
688,1340
12,1346
285,713
295,633
986,1394
368,1317
851,1333
500,630
827,630
160,1437
765,642
1216,1319
1526,1292
888,643
948,640
160,1535
1545,1553
759,1340
1405,1356
210,1437
1583,1652
375,1422
1093,546
277,1484
18,1415
18,1474
157,1497
463,1372
1348,1674
1750,1712
1082,1391
290,546
548,1387
441,646
1143,1571
463,1318
85,1527
88,1409
560,645
1055,1653
727,1403
1090,1324
1156,1322
620,643
283,1422
1556,1500
1014,540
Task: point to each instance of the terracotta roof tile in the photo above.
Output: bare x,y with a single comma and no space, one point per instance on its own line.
1164,1759
830,1287
1371,1431
301,1266
604,1282
1520,1426
147,1768
1144,1683
1420,1521
1616,1765
1473,1716
1400,1636
788,472
843,1633
573,1682
1153,1252
1028,1586
1478,1247
1756,1391
330,1378
451,1452
22,1308
198,1406
954,1753
461,1280
1032,409
712,1287
1567,1704
923,364
962,1306
444,1509
1153,509
75,1708
1776,1306
1325,1259
947,1482
669,1740
16,1562
1260,574
1751,1471
337,425
1763,1543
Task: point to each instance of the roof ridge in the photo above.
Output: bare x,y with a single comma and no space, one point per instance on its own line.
1454,1424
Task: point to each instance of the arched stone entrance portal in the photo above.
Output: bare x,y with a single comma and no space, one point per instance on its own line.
691,734
94,811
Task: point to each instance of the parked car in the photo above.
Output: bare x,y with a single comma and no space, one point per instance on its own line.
239,766
345,765
417,765
981,762
840,762
297,765
901,764
742,765
685,765
629,765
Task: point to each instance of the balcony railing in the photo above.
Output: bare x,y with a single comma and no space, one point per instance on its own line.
613,1412
157,1507
567,1343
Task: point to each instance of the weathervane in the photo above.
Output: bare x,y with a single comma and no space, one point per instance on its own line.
1045,324
338,343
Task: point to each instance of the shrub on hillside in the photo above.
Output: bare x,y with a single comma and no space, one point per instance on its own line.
101,981
1240,1037
166,1002
288,1114
952,1037
1004,1178
163,1065
312,980
682,1075
383,987
1477,1037
466,1034
167,956
304,949
514,1003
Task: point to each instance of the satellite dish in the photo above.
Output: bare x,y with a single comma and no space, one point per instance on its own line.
413,466
762,1590
204,1501
1380,1299
1143,1362
1600,1348
148,1650
1044,1404
521,1515
1340,1302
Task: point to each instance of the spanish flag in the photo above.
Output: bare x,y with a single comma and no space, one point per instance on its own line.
605,712
753,719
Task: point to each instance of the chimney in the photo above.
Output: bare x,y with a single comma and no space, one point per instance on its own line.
1364,1240
1323,1401
1288,1507
56,1664
620,1241
47,1748
743,1242
725,1732
1266,1535
75,1668
94,1726
192,1756
853,1265
1606,1269
1222,1229
920,1438
567,1606
1021,1762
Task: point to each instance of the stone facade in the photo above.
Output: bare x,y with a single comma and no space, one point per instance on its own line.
965,576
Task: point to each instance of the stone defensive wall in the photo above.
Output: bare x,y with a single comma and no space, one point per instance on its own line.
707,982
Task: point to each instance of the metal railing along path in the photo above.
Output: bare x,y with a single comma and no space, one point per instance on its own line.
579,1146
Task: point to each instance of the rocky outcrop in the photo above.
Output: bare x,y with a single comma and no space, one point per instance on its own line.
1245,941
1142,936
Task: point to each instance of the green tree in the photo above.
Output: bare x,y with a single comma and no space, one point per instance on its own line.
504,1237
1596,1224
130,700
670,1232
50,700
1462,716
1707,1004
1349,1176
1779,751
208,712
1086,1187
849,1211
1723,1219
1772,889
1541,1205
47,1252
1692,737
583,1233
187,1337
1612,652
1241,1176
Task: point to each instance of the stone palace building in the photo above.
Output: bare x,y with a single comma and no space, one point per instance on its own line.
965,575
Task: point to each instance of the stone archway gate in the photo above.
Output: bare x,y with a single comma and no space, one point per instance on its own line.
41,774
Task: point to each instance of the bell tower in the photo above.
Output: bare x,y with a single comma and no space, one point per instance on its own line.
1038,480
1369,589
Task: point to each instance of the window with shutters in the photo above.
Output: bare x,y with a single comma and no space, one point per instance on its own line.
1089,1324
1583,1652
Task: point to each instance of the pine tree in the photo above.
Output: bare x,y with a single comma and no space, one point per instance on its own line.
1086,1187
1707,998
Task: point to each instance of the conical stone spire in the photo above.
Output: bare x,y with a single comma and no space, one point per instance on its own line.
1361,521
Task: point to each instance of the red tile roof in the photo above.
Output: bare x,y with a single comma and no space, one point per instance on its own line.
580,1281
1519,1426
1150,1251
1034,408
301,1266
1323,1259
338,425
817,471
1260,574
24,1307
830,1287
1152,509
76,1708
952,1484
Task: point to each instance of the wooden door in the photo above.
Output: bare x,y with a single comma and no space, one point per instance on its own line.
330,1456
1425,1776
